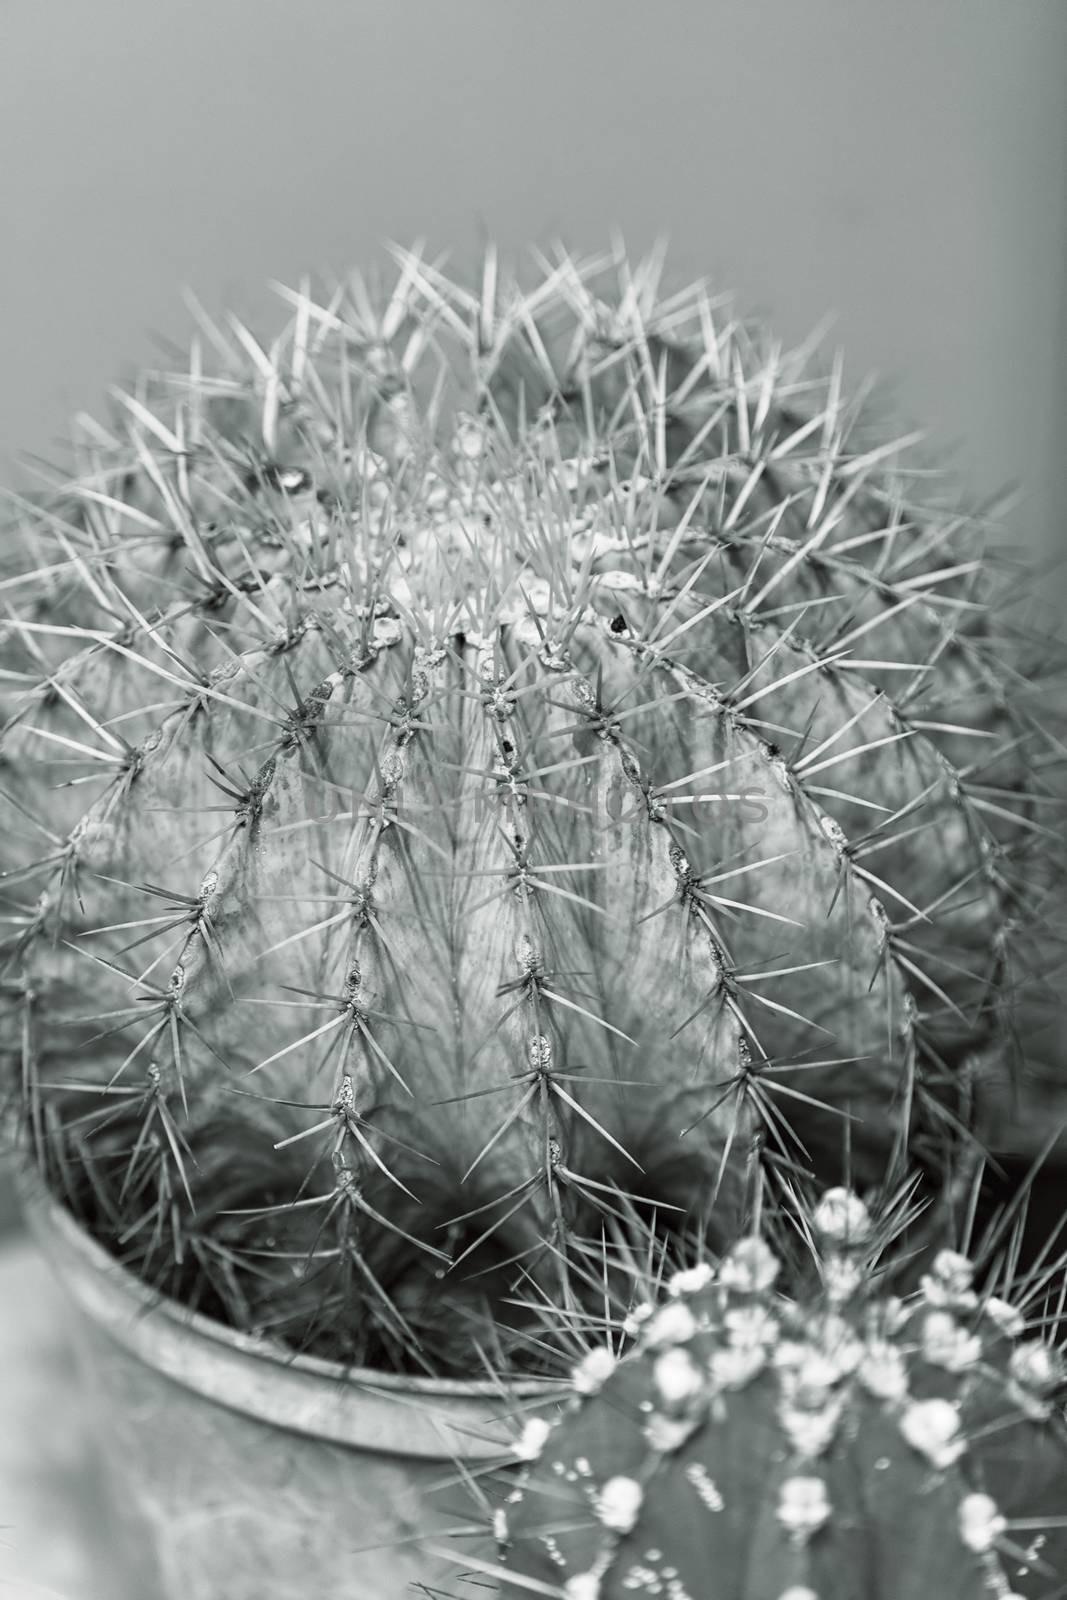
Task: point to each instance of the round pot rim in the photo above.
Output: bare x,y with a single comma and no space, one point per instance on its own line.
358,1406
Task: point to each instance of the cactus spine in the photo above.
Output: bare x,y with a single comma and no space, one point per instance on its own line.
482,752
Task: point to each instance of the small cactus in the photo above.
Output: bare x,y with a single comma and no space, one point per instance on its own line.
480,753
836,1444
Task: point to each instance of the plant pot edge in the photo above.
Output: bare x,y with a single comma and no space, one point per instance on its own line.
358,1407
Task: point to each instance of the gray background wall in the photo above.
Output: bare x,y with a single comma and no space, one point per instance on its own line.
902,163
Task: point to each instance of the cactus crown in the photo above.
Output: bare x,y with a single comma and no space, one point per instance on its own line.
836,1442
482,753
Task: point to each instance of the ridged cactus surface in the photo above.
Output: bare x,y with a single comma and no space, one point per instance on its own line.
482,750
843,1443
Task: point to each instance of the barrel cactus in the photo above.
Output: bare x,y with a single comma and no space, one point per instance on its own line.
839,1442
483,753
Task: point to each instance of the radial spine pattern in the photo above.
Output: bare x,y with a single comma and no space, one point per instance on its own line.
488,750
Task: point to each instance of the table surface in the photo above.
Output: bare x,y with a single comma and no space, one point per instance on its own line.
54,1519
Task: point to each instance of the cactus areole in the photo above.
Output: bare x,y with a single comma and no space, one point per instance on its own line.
843,1444
481,753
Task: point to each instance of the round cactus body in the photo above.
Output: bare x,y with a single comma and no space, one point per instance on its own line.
478,754
758,1447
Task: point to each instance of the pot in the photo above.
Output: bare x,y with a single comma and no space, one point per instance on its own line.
246,1472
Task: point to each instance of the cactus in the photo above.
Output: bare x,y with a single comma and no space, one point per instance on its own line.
842,1442
480,754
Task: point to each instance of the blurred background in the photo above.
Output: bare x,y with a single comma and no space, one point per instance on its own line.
903,166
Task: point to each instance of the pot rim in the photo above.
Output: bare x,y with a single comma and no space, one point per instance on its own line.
391,1412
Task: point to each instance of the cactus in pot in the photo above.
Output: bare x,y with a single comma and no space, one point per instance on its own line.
479,755
838,1441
